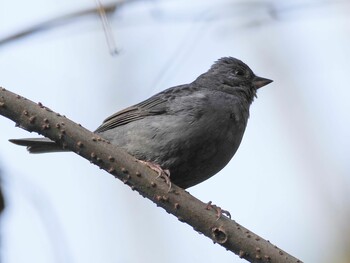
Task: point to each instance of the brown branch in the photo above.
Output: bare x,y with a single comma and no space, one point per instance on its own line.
188,209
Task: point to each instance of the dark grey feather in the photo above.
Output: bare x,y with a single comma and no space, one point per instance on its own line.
193,130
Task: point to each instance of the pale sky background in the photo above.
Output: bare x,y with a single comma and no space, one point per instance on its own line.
289,181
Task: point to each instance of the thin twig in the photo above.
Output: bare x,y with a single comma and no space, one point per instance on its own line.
51,23
112,47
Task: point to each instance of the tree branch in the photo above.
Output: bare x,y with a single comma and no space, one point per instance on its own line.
224,231
58,21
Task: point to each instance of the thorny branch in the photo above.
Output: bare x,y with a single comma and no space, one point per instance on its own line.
224,231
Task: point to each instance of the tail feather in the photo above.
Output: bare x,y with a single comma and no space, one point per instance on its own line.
38,145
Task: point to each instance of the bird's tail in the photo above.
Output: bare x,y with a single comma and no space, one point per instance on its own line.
38,145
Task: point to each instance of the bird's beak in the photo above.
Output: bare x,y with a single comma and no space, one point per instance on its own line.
259,82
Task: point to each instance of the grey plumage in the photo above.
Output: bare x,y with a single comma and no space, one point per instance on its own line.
193,130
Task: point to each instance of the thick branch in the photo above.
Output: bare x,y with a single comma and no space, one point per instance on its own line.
224,231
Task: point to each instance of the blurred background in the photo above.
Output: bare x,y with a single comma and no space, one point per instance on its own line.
289,181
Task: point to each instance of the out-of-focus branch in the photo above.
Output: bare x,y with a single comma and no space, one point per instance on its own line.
2,200
224,231
46,25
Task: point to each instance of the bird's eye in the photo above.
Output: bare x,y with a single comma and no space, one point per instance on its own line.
239,72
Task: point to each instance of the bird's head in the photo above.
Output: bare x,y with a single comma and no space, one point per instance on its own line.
232,76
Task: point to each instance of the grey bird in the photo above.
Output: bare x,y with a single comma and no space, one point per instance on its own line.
192,130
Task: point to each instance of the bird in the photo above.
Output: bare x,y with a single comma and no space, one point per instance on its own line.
191,130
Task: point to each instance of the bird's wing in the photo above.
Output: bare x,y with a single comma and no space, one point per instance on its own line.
153,106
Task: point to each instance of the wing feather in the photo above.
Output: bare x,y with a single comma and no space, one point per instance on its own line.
155,105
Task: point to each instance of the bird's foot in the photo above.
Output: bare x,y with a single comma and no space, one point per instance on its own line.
219,211
165,174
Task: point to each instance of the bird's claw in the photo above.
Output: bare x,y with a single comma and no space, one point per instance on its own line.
219,210
165,174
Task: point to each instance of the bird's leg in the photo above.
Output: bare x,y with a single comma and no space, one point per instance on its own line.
219,211
165,174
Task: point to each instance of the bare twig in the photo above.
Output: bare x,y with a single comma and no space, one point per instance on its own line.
51,23
224,231
107,29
